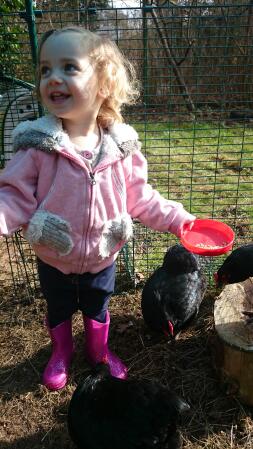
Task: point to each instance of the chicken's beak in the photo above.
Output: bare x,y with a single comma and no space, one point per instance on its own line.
171,329
169,334
105,360
216,279
220,280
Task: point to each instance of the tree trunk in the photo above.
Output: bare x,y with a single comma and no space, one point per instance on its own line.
234,352
176,69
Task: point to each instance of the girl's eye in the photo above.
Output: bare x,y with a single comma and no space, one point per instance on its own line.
44,70
70,68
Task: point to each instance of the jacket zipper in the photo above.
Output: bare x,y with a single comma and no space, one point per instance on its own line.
92,183
92,178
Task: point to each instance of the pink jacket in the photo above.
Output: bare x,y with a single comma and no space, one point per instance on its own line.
77,221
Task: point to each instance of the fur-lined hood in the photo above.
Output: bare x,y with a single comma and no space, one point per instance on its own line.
47,134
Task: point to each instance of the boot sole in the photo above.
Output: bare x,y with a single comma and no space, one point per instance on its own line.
54,387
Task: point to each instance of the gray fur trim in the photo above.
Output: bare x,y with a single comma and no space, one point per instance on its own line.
115,231
48,124
46,134
121,132
129,147
35,139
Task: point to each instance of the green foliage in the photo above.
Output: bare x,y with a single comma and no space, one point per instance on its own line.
11,6
10,35
9,51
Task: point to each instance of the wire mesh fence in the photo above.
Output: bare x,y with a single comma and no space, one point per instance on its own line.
194,116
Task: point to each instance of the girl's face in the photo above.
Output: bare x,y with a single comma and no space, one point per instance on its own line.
69,85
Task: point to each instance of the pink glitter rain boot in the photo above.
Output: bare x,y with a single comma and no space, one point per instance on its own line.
96,347
55,375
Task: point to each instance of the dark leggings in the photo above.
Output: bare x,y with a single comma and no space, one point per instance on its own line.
67,293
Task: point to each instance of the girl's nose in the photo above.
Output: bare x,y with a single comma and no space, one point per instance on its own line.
55,78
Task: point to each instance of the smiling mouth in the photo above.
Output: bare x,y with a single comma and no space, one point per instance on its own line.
58,97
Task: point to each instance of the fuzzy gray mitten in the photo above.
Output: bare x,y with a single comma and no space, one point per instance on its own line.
50,230
115,231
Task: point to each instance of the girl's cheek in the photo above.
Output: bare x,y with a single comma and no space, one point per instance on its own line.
42,89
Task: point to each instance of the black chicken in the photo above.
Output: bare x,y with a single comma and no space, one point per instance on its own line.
110,413
237,267
172,295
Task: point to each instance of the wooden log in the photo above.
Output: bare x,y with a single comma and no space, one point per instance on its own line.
234,354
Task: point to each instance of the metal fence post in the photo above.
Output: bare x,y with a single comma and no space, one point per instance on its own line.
30,17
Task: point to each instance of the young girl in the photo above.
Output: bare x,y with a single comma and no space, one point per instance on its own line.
77,179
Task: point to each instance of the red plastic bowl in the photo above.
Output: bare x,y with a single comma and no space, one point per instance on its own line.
208,237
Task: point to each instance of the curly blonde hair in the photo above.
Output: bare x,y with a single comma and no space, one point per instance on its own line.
115,72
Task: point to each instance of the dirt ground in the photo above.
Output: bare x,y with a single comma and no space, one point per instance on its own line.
33,417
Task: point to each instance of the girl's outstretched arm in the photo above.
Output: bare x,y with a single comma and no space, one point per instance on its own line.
147,205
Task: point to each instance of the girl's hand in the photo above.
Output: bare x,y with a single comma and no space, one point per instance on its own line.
186,225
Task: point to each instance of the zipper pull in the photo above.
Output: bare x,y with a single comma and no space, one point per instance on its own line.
92,179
